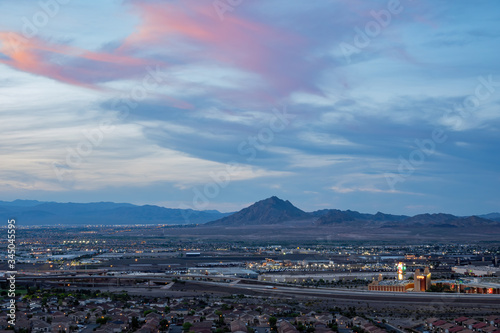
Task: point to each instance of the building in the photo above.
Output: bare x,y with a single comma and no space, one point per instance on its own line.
238,326
401,271
422,282
286,327
327,277
390,285
476,285
476,270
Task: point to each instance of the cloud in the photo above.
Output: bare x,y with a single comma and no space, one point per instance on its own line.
369,190
194,29
125,156
221,81
65,63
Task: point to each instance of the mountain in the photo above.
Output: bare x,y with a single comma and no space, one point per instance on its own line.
20,203
30,212
269,211
447,221
274,211
491,216
335,216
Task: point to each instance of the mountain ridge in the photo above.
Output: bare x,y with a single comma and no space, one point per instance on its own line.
270,211
32,212
267,212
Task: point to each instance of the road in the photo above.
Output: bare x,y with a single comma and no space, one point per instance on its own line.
434,298
289,291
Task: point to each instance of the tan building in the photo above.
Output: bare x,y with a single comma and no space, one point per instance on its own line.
422,282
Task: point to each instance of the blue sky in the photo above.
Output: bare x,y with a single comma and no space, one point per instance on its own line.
373,106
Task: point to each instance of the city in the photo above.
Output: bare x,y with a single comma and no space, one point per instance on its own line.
97,277
249,166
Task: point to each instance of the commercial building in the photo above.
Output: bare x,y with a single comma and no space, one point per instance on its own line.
391,285
311,278
476,270
489,285
421,282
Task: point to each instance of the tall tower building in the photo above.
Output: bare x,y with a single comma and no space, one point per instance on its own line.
422,282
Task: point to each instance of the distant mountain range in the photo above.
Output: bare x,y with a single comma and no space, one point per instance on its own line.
271,211
276,211
32,212
335,216
491,216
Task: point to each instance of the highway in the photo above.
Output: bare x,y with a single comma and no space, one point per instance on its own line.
239,285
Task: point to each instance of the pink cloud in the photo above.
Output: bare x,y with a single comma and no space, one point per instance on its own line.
195,28
81,67
75,66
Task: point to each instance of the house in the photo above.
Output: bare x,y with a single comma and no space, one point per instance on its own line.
192,319
455,329
231,317
263,320
446,327
358,321
238,326
325,318
460,320
246,318
320,324
373,329
437,324
150,326
62,326
202,327
39,326
343,321
205,311
429,321
286,327
212,317
22,322
491,319
305,319
479,326
489,329
469,323
180,311
78,317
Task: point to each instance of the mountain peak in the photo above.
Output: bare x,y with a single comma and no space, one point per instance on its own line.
272,210
273,200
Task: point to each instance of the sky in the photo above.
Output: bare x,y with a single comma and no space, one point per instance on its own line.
388,106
